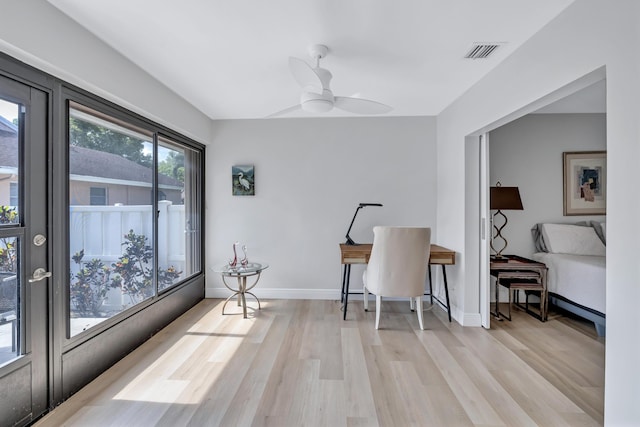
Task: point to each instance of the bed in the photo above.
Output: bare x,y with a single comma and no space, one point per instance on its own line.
575,257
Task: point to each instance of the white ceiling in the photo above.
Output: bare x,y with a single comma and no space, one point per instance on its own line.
229,58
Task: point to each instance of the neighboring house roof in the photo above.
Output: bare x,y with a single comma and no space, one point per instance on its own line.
7,127
84,161
88,162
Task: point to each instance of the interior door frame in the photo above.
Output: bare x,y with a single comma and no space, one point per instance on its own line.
485,232
484,170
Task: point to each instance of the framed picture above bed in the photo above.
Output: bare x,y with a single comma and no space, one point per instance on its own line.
585,183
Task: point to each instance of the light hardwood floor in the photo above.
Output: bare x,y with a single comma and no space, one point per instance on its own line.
298,363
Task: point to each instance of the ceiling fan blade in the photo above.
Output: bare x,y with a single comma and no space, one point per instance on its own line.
360,106
285,111
304,74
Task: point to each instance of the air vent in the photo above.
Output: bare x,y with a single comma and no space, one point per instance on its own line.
481,50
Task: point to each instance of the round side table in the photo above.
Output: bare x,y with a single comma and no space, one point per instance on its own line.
241,273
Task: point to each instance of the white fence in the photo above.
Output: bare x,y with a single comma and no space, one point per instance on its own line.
100,231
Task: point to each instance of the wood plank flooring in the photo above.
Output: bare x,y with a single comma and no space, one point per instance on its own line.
297,363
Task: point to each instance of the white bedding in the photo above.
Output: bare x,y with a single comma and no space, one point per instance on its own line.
579,278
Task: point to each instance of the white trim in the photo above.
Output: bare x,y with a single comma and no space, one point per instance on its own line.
486,232
471,319
101,180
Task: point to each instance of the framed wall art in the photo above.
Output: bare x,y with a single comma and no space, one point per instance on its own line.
243,180
585,183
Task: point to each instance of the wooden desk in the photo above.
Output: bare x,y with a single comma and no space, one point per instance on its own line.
359,254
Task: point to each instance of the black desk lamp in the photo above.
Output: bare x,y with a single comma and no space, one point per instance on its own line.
502,198
360,206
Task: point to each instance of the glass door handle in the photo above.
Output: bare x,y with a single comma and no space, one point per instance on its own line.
39,274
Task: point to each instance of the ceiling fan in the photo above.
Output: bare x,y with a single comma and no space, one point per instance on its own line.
316,94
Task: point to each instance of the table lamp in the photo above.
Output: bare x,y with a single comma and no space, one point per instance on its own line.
360,206
502,198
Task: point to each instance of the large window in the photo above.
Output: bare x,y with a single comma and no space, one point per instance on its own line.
130,236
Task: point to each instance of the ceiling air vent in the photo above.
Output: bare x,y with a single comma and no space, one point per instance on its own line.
481,50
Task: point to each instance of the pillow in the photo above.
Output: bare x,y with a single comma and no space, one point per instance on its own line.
538,238
572,239
600,228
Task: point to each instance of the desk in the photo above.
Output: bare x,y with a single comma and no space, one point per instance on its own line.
241,274
359,254
518,273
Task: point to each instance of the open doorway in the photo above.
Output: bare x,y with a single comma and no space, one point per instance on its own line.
525,150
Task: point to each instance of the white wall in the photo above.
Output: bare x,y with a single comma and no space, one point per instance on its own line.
527,153
40,35
589,34
310,176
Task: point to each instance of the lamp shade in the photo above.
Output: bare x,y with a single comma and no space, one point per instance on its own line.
505,198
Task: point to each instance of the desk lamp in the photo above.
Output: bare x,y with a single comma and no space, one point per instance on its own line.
502,198
360,206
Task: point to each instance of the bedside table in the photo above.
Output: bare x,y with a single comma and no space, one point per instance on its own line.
517,273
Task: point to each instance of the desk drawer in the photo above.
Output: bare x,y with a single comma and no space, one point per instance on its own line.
356,260
447,259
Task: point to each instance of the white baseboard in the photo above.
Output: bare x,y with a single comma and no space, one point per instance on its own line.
471,319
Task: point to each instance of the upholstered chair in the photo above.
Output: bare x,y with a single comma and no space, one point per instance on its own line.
397,266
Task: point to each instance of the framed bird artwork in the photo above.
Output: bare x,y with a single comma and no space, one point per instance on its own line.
243,180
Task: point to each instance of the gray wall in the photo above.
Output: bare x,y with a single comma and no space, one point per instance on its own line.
310,176
527,153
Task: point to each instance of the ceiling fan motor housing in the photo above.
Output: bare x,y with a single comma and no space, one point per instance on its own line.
317,102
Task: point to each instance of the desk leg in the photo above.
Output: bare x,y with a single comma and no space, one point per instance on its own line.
344,279
446,290
430,284
346,292
496,313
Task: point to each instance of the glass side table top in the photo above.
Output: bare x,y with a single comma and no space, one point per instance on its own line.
239,270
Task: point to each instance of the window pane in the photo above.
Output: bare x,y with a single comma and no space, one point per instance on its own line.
177,230
111,246
9,314
9,218
9,163
98,196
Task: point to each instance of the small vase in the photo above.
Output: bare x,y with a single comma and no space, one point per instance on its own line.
234,262
244,261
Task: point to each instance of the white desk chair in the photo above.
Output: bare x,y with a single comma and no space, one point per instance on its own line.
398,266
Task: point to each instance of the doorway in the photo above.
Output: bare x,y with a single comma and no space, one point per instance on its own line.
562,101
